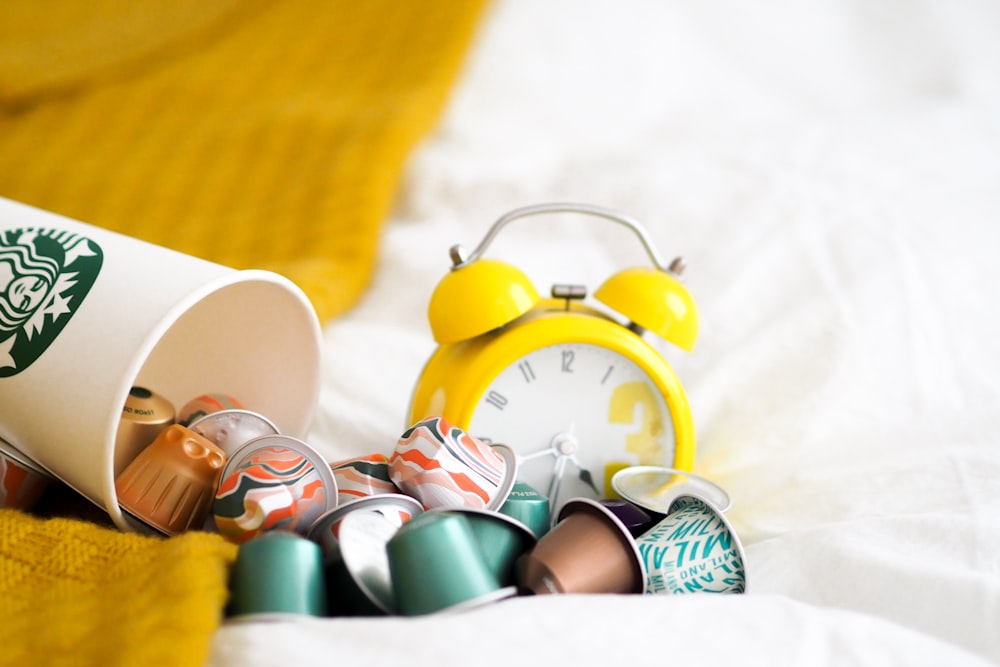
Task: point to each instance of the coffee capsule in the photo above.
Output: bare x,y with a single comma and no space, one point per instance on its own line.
231,429
170,484
274,482
275,576
144,415
442,466
206,404
363,538
529,507
435,564
633,517
589,550
362,476
657,488
398,508
356,568
501,539
694,549
22,481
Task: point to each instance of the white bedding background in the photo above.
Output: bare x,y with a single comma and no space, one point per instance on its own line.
830,170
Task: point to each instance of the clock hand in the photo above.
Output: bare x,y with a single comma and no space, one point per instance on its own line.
556,482
585,476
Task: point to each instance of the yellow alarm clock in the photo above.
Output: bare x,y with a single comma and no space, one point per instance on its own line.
576,392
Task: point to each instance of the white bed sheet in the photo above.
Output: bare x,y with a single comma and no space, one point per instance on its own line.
831,172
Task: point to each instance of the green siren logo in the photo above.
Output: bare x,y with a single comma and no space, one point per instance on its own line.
44,276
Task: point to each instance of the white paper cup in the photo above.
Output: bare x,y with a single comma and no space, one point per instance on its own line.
85,314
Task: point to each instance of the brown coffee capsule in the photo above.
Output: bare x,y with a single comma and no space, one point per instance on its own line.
589,550
144,415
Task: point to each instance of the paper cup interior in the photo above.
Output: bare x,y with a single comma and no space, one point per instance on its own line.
250,334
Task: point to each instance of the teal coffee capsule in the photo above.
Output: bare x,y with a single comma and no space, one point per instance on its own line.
693,549
436,564
501,540
275,575
529,507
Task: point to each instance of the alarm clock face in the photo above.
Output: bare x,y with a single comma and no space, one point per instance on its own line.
575,413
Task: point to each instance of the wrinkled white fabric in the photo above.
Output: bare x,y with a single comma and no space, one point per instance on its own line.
830,170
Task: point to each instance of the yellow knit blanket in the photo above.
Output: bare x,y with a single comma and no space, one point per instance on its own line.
251,133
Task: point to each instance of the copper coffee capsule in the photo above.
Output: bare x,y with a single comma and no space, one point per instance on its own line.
589,550
170,484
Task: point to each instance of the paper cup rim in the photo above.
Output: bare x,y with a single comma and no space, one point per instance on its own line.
10,451
581,504
703,488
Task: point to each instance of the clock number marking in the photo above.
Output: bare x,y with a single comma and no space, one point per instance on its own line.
608,374
496,399
526,371
567,361
645,442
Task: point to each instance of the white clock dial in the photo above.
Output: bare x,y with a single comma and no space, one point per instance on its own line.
575,413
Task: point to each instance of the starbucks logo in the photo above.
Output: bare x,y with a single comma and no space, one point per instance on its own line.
44,276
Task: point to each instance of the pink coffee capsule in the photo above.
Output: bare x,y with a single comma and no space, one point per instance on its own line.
22,481
274,482
362,476
442,466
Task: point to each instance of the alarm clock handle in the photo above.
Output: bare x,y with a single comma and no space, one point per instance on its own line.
459,259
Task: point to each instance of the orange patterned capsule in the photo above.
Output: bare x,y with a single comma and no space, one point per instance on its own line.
362,476
206,404
442,466
22,481
273,483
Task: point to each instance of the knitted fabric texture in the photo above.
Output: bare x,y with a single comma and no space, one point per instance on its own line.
76,593
253,134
